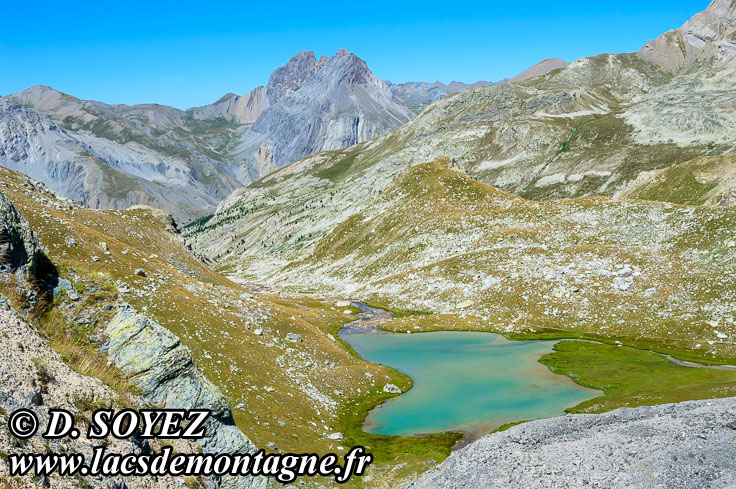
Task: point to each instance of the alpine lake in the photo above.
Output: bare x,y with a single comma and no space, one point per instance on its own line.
464,381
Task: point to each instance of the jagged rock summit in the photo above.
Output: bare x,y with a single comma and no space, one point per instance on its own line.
290,77
319,105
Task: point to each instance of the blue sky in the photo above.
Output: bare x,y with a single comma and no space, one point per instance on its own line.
190,53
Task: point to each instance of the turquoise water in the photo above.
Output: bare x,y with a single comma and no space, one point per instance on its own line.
465,381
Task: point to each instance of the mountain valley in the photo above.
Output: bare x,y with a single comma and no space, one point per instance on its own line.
212,256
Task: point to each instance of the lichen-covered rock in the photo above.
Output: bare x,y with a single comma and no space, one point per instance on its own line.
24,355
163,369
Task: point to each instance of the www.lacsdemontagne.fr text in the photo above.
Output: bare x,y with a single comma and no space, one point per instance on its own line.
164,424
284,467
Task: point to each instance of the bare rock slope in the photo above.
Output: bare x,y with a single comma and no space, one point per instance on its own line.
108,156
673,445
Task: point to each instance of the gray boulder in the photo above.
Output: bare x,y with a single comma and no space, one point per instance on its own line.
391,389
673,445
163,368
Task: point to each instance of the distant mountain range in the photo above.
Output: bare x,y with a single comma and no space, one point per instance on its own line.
659,124
187,161
417,95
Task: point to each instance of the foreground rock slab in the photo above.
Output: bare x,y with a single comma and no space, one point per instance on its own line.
163,368
686,445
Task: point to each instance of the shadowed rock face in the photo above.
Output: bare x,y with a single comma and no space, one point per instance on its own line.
417,95
164,370
20,252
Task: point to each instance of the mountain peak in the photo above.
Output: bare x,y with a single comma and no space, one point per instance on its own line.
290,77
325,105
541,68
224,98
708,35
37,90
343,52
347,68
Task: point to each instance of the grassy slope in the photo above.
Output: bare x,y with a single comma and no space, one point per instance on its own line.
215,318
438,239
696,182
633,378
431,240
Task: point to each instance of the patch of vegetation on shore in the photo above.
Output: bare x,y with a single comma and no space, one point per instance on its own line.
395,457
631,377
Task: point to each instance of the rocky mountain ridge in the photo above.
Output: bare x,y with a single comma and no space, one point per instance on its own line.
114,156
539,69
593,128
103,173
417,95
186,161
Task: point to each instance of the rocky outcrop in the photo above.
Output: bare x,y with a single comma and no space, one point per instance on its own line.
706,38
244,109
33,376
20,251
674,445
25,271
163,368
